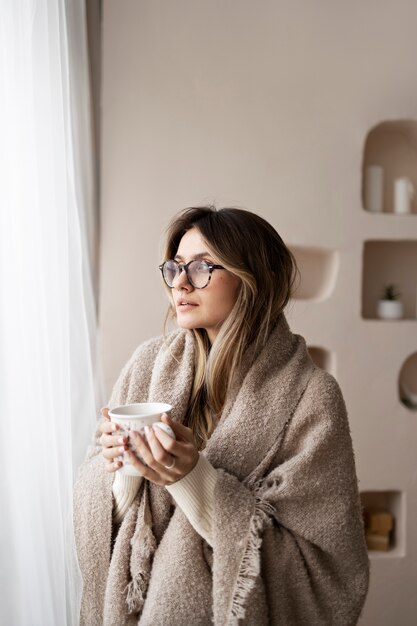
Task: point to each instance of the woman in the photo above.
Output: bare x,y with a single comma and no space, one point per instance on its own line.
252,514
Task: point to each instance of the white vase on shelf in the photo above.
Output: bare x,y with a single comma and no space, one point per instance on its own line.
374,188
403,195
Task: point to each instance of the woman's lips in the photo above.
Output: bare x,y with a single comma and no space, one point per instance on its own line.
185,305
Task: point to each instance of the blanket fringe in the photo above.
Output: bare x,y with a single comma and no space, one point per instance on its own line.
135,593
143,545
250,565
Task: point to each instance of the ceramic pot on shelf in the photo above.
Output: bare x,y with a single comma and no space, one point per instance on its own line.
389,307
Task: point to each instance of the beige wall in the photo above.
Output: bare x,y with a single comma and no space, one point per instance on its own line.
267,105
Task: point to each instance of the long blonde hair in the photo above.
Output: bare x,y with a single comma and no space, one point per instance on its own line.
249,247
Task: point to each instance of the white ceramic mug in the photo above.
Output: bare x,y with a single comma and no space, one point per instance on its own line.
136,417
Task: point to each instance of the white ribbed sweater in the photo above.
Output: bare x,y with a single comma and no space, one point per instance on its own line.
194,494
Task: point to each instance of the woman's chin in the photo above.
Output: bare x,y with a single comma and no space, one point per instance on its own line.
186,324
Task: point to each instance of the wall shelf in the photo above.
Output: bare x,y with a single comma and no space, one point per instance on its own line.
323,358
389,262
394,553
407,383
318,271
394,503
391,145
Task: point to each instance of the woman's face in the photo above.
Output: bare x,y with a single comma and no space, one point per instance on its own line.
203,308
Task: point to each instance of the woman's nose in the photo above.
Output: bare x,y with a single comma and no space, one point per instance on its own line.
181,281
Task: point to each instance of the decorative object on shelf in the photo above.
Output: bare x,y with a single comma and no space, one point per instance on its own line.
385,527
374,188
407,382
403,195
389,307
408,397
379,526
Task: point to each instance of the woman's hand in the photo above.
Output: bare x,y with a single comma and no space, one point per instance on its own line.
165,460
114,444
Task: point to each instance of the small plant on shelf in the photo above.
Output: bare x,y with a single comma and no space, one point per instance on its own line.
389,306
390,293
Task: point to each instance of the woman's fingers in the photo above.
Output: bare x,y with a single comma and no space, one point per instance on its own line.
140,456
147,466
168,442
183,448
114,444
112,452
166,459
110,440
161,446
108,427
181,431
113,466
156,456
156,462
142,448
146,471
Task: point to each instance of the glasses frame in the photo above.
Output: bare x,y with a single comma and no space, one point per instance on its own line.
185,266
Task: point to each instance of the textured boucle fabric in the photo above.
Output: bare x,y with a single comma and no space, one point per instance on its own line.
288,545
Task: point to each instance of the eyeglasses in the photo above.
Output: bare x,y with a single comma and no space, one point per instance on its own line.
198,272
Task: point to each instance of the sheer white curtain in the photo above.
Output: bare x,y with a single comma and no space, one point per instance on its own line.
47,313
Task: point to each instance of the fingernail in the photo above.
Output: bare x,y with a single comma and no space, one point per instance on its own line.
121,450
121,440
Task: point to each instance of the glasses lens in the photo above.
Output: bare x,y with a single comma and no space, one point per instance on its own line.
199,273
170,271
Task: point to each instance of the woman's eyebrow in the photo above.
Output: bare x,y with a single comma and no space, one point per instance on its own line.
196,257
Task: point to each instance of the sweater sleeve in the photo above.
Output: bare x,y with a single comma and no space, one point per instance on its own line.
194,494
124,490
133,381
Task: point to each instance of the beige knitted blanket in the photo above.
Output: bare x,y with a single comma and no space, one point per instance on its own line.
288,543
